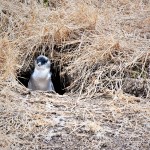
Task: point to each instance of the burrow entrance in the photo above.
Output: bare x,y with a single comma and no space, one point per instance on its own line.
60,81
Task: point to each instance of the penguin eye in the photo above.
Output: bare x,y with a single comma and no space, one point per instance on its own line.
46,60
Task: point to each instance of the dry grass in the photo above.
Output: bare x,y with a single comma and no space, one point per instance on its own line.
104,49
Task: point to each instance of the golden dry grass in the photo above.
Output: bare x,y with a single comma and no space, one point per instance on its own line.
104,49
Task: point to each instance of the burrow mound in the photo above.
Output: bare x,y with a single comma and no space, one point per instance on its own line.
101,56
65,81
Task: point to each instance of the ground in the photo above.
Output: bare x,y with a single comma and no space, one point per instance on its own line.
40,120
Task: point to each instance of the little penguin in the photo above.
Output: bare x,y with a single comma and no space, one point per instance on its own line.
41,77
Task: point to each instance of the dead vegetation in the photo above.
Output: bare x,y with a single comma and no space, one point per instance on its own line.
100,52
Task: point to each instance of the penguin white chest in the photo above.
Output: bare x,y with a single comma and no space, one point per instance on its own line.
41,75
41,78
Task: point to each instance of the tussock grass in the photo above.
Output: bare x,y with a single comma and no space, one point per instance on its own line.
104,49
111,40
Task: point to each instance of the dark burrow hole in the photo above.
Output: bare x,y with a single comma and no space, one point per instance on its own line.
60,82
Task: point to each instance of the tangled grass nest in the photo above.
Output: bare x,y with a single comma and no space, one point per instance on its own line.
101,51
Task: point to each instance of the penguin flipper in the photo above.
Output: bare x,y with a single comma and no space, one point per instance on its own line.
51,86
30,85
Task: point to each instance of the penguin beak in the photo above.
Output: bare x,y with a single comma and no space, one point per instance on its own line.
39,64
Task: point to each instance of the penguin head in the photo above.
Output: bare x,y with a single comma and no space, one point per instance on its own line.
42,62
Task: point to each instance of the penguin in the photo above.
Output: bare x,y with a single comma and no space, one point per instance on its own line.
41,77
